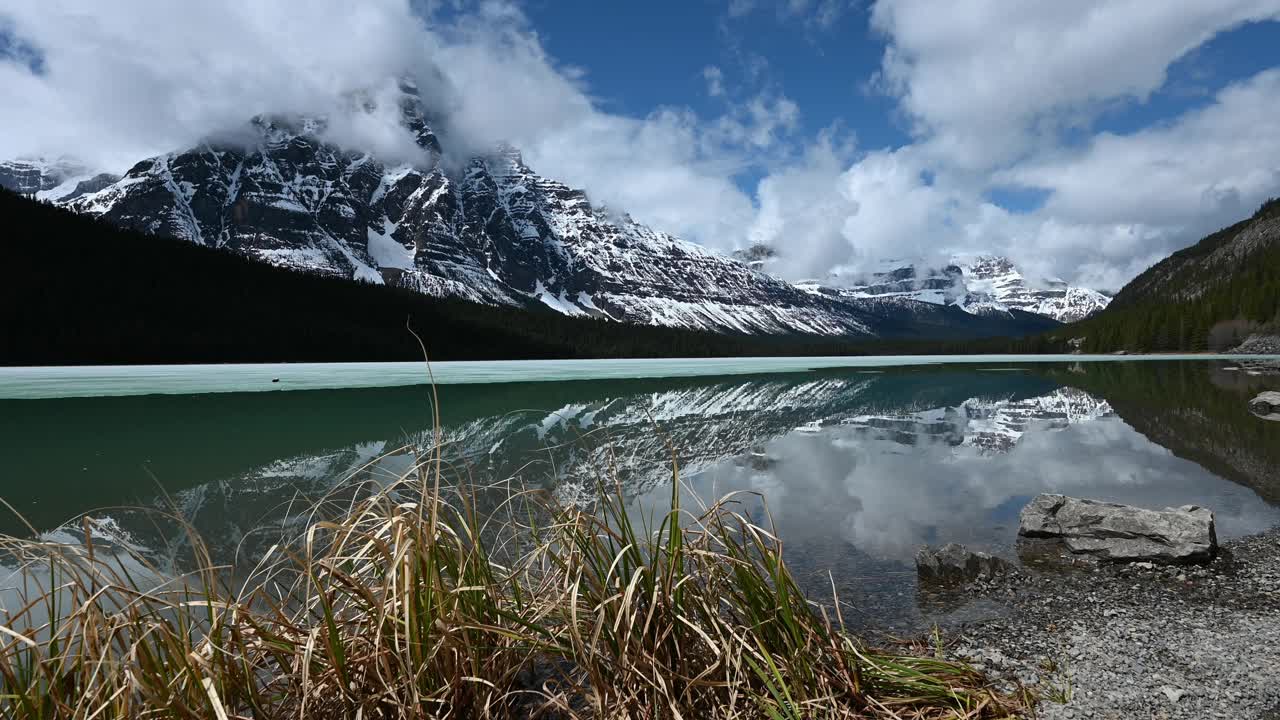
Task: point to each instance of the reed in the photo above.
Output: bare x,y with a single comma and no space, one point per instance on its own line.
412,603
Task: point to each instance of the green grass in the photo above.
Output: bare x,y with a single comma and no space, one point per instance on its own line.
412,603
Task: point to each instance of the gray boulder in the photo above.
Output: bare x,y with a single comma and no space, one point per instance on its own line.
1266,405
1122,533
955,564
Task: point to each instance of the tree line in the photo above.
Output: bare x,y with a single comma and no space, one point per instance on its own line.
82,291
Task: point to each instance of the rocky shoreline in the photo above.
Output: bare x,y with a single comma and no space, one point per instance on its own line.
1258,344
1135,640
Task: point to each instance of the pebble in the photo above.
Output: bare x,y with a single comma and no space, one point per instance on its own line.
1174,694
1140,640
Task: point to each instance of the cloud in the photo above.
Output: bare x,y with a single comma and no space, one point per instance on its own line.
813,14
799,215
760,123
715,80
989,91
997,97
135,78
986,89
1114,206
826,215
983,82
145,76
832,485
1210,164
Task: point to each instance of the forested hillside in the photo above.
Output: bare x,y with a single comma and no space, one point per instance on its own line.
1209,296
82,291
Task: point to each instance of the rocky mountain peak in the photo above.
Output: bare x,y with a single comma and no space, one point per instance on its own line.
755,255
60,179
985,285
496,232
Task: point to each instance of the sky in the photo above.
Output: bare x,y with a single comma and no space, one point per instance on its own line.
1085,140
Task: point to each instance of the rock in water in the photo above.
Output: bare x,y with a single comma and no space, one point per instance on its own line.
1266,405
1122,533
954,563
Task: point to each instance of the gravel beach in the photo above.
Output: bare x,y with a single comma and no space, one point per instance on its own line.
1137,640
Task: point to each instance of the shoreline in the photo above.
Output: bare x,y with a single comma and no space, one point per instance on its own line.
47,382
1136,640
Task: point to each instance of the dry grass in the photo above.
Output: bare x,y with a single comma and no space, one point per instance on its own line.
409,604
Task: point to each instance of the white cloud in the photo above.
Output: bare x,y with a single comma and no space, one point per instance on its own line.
1213,163
760,123
986,87
813,14
900,215
715,80
657,168
134,78
1114,207
983,82
799,215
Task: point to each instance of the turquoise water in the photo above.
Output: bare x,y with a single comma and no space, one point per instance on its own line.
857,461
99,381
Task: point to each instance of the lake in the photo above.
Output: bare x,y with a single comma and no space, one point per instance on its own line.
858,462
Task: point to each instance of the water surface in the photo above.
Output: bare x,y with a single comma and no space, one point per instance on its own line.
857,466
93,381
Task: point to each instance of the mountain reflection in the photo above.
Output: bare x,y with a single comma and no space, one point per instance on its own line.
853,466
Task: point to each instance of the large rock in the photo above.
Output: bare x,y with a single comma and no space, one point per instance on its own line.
954,563
1266,406
1122,533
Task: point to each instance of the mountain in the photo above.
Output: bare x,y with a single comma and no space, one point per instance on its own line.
61,179
84,291
1210,296
982,285
494,232
986,426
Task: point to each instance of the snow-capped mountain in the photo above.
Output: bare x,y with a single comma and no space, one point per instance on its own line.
988,426
494,232
981,285
997,278
60,179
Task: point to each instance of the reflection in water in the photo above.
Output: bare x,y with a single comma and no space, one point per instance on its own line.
857,469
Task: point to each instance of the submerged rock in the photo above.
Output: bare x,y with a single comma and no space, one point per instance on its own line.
954,563
1122,533
1266,405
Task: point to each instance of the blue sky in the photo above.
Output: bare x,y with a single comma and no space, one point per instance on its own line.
829,71
826,70
1085,140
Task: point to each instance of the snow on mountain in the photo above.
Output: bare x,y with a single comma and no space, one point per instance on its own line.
981,285
987,426
56,180
496,232
996,278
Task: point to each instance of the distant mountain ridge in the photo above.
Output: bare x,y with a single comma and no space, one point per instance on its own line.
1193,271
497,233
988,284
1210,296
